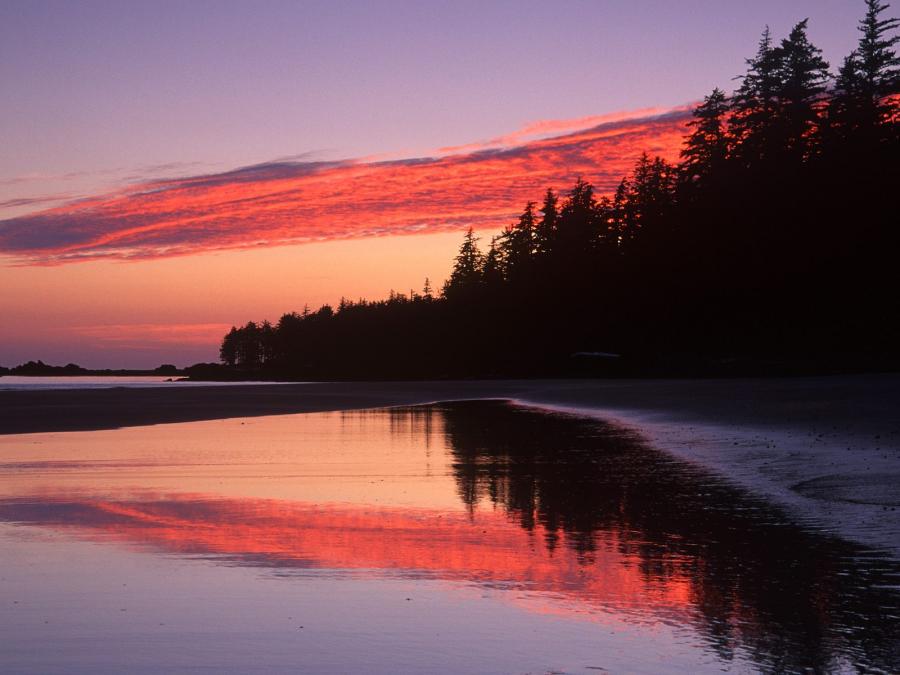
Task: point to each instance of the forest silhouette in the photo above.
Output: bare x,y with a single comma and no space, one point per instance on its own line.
774,240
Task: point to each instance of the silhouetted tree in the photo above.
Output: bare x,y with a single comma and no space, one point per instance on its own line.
863,100
706,147
228,352
804,74
879,64
648,196
493,270
249,345
546,229
517,246
577,229
467,269
754,105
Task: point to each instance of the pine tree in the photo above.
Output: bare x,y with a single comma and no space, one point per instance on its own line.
493,273
249,347
267,341
620,215
228,352
577,231
862,100
650,195
804,74
467,268
517,245
878,62
545,231
706,147
755,104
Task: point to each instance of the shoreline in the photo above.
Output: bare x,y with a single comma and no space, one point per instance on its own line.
851,491
825,448
860,402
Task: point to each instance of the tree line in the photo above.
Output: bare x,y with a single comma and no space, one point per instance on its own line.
774,239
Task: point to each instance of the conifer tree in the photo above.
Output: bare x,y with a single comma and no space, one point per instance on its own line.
267,342
650,195
228,352
620,219
545,231
467,268
517,245
878,62
493,273
577,231
868,78
706,147
249,347
755,104
804,74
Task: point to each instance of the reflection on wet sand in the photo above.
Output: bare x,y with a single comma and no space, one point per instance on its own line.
577,517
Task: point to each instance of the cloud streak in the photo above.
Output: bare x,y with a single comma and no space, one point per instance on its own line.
482,185
35,201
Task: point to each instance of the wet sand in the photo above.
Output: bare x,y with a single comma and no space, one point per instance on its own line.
827,447
859,403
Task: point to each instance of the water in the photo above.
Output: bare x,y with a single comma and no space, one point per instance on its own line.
27,382
466,537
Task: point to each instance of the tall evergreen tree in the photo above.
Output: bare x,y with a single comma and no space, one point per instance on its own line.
545,231
517,245
493,270
804,74
706,148
467,268
651,192
878,62
249,345
267,339
620,215
864,94
228,352
577,229
755,104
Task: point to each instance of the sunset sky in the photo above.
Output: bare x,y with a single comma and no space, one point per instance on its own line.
169,169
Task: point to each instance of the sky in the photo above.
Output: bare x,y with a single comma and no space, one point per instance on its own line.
169,169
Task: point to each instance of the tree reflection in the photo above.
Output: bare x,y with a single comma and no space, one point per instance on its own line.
793,599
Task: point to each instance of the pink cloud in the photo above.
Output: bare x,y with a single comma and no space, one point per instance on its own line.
483,186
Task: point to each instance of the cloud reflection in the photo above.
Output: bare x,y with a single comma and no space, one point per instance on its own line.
579,518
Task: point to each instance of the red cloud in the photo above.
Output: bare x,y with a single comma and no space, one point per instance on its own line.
293,202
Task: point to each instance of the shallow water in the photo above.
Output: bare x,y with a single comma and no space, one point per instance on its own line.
465,537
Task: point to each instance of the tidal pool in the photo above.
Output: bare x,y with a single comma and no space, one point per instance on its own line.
461,537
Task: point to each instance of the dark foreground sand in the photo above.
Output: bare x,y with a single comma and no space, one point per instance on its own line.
827,447
860,402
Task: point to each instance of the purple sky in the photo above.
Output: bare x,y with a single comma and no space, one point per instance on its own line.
105,96
98,92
